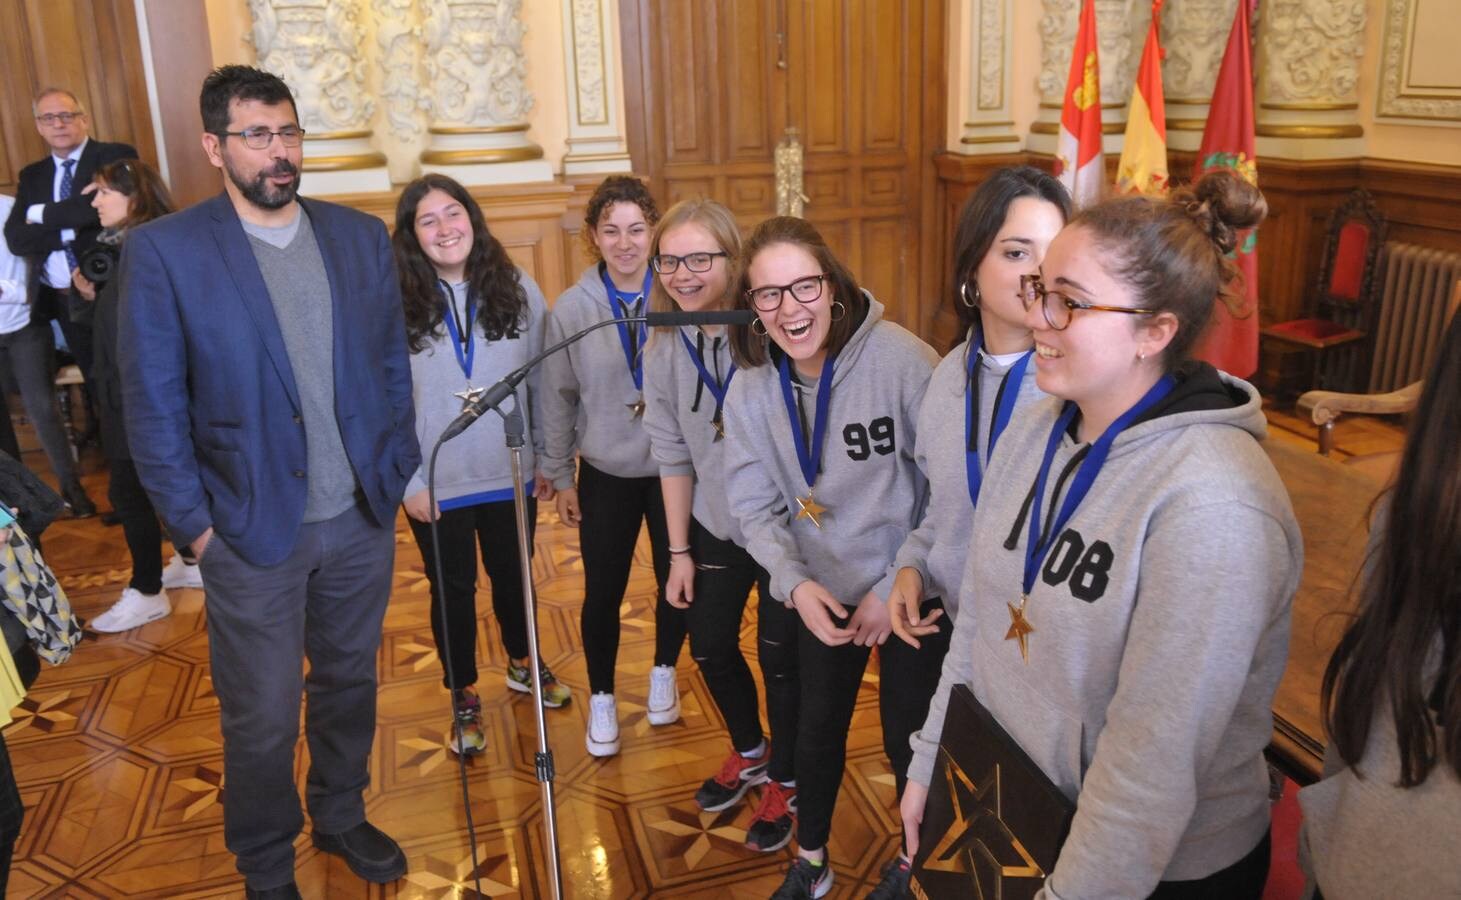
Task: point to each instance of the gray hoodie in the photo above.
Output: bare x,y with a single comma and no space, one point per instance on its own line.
588,392
678,418
475,462
871,487
1161,625
937,548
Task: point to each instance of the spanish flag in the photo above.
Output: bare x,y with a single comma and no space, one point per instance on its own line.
1078,161
1143,168
1228,142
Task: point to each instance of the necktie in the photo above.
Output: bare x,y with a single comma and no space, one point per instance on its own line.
66,185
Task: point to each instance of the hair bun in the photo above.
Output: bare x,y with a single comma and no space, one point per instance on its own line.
1222,204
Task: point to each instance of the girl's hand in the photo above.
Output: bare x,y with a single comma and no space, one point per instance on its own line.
568,511
915,798
83,285
817,609
904,601
543,488
680,586
870,621
418,506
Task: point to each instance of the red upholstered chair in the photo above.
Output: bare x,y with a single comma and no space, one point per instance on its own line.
1342,314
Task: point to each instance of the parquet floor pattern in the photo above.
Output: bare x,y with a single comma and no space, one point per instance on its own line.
119,758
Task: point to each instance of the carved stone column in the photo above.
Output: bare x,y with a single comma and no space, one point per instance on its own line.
1120,29
984,98
316,46
1194,34
594,70
1308,75
479,102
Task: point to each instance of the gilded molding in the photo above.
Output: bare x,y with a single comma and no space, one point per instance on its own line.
1271,130
1393,99
481,155
344,163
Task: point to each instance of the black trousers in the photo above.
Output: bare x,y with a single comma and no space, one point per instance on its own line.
612,509
12,813
1243,880
493,527
829,680
724,576
139,525
908,680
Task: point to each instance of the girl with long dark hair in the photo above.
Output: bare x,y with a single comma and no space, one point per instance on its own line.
593,407
125,194
472,316
820,431
1385,818
1124,613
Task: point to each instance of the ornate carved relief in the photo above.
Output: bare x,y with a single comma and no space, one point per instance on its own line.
474,62
400,64
991,54
1396,97
314,46
1194,34
1057,36
1310,51
588,62
1116,36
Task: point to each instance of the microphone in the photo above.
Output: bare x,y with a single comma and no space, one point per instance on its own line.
708,317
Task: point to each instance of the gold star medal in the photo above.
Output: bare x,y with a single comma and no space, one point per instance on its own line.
809,508
1020,627
636,409
469,396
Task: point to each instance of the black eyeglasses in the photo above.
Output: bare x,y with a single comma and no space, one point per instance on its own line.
803,290
259,137
1058,307
667,263
64,118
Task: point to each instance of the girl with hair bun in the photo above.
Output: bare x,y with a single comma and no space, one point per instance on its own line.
1127,618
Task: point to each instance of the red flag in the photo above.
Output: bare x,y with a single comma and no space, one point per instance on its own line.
1078,161
1231,343
1143,166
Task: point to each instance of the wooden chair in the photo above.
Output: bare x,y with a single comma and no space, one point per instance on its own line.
1344,295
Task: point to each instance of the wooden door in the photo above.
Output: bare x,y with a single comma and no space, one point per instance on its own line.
712,86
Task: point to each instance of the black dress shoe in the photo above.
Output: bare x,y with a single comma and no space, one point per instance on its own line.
75,496
288,891
370,852
111,518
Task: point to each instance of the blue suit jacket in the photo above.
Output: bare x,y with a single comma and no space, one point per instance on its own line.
213,414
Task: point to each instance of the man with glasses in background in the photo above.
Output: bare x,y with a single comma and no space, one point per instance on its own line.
267,392
52,225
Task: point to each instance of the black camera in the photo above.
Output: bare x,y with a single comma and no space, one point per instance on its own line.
99,263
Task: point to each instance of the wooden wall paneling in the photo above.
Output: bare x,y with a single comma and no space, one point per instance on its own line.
181,57
635,32
19,142
819,33
747,91
886,250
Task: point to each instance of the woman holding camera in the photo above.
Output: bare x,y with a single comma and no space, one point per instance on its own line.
125,194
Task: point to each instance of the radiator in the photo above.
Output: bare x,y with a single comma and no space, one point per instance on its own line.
1414,301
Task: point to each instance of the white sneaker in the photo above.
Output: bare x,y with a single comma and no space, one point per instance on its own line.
664,696
602,737
181,574
133,609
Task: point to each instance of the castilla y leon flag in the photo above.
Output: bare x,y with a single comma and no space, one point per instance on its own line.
1143,167
1231,342
1078,161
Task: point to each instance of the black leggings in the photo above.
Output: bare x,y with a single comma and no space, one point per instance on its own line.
139,525
493,526
830,677
1243,880
724,576
908,680
612,509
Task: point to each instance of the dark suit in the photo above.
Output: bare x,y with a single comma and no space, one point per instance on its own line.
215,426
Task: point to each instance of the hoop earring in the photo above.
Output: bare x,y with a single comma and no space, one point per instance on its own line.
761,332
836,305
964,296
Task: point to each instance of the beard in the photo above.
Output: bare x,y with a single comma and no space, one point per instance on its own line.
259,191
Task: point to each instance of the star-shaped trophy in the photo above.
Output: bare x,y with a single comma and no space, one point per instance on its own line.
978,842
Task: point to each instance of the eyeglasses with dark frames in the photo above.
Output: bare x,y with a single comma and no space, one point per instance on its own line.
803,290
259,137
1059,307
667,263
63,118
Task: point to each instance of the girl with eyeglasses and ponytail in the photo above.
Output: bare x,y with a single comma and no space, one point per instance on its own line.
696,253
1124,612
820,432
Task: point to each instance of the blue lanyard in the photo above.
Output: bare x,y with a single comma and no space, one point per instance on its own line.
717,389
810,457
1004,408
633,341
1035,549
466,350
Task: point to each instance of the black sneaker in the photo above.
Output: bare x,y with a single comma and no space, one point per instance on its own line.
770,827
894,884
805,881
737,775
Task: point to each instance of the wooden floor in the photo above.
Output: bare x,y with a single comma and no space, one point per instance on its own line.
119,758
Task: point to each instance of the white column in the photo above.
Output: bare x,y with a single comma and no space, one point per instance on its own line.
1119,41
1308,79
983,94
594,67
479,100
316,47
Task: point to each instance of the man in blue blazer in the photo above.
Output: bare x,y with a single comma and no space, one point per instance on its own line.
267,394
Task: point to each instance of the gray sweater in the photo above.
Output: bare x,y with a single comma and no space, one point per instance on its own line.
937,548
476,462
678,418
588,392
1161,624
871,487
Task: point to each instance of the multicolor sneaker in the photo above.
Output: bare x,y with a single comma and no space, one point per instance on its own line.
805,880
664,696
467,735
894,883
738,774
770,827
519,678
